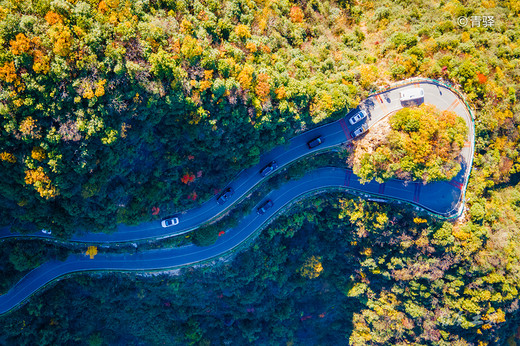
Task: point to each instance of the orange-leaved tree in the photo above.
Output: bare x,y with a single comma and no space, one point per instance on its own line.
188,178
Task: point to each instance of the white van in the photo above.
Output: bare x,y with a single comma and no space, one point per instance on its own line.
411,94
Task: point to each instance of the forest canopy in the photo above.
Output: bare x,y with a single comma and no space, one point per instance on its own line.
123,111
109,109
120,111
422,143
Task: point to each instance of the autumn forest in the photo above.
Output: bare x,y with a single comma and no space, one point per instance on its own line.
118,111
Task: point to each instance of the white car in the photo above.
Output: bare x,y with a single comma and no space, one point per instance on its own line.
44,231
411,94
356,118
170,221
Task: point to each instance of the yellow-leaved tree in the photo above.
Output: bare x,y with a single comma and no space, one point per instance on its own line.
242,31
38,153
41,182
312,268
245,77
91,251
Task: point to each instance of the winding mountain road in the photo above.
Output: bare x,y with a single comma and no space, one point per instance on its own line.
445,199
336,133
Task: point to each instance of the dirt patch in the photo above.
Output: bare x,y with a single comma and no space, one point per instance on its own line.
368,143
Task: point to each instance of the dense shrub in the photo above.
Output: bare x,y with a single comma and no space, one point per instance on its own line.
423,144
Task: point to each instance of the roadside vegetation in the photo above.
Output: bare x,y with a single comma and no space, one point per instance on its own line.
422,143
17,258
125,111
118,111
20,256
334,266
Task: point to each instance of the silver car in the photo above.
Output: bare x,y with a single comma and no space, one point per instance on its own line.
356,118
359,131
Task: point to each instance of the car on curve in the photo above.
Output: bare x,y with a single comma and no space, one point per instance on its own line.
269,168
224,196
264,207
357,117
170,221
359,131
411,94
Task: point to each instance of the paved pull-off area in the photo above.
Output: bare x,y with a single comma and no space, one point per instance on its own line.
445,199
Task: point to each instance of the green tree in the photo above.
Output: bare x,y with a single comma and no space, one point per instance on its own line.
25,257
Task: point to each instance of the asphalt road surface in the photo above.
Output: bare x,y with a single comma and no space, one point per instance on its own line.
334,134
443,198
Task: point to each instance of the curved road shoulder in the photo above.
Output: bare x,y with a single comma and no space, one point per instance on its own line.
443,198
336,133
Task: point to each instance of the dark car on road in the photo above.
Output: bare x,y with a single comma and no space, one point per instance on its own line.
267,205
315,142
359,131
224,196
269,168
